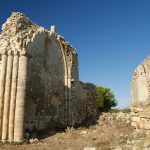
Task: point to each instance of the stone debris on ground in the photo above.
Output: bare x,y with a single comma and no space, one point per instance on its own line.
112,131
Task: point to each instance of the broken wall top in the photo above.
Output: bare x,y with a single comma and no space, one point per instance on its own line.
140,85
18,31
143,70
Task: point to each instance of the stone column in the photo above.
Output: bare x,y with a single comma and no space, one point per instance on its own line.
13,96
2,87
20,98
7,96
69,96
66,99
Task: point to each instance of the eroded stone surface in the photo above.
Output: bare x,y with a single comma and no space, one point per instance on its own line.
140,109
39,80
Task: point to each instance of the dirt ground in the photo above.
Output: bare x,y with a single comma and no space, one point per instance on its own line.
107,133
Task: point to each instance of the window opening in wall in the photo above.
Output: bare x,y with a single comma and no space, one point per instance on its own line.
72,83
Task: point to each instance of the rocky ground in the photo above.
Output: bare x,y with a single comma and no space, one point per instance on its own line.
112,131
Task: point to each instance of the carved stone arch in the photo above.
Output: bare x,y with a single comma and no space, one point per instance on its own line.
66,100
47,42
65,63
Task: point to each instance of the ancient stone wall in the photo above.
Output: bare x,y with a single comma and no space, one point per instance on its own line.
141,96
39,81
45,85
84,103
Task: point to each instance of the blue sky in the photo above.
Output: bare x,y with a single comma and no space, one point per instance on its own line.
111,36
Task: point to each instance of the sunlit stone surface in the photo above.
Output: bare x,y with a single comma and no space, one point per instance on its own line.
39,80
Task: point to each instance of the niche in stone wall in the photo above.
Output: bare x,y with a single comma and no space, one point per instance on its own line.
55,102
31,107
31,110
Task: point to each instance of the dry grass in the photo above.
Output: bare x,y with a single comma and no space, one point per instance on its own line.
104,135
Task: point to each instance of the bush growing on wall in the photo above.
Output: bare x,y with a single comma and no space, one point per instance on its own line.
105,98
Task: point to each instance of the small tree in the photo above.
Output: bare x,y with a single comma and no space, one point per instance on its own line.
105,98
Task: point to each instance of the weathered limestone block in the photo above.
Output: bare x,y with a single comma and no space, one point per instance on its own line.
140,93
140,88
136,119
144,114
134,124
133,113
137,109
146,126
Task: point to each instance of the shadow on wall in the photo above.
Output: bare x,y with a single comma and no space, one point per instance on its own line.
81,111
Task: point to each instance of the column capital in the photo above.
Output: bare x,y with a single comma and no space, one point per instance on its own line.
3,52
9,52
15,52
24,53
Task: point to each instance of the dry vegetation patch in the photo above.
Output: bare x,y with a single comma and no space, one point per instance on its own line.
111,131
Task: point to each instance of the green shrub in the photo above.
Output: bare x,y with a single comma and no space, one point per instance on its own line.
105,98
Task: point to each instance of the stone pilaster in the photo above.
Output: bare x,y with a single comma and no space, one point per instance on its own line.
7,96
2,88
13,96
66,99
20,98
65,80
69,96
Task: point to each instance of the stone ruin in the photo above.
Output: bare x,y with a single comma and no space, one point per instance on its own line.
140,109
39,80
